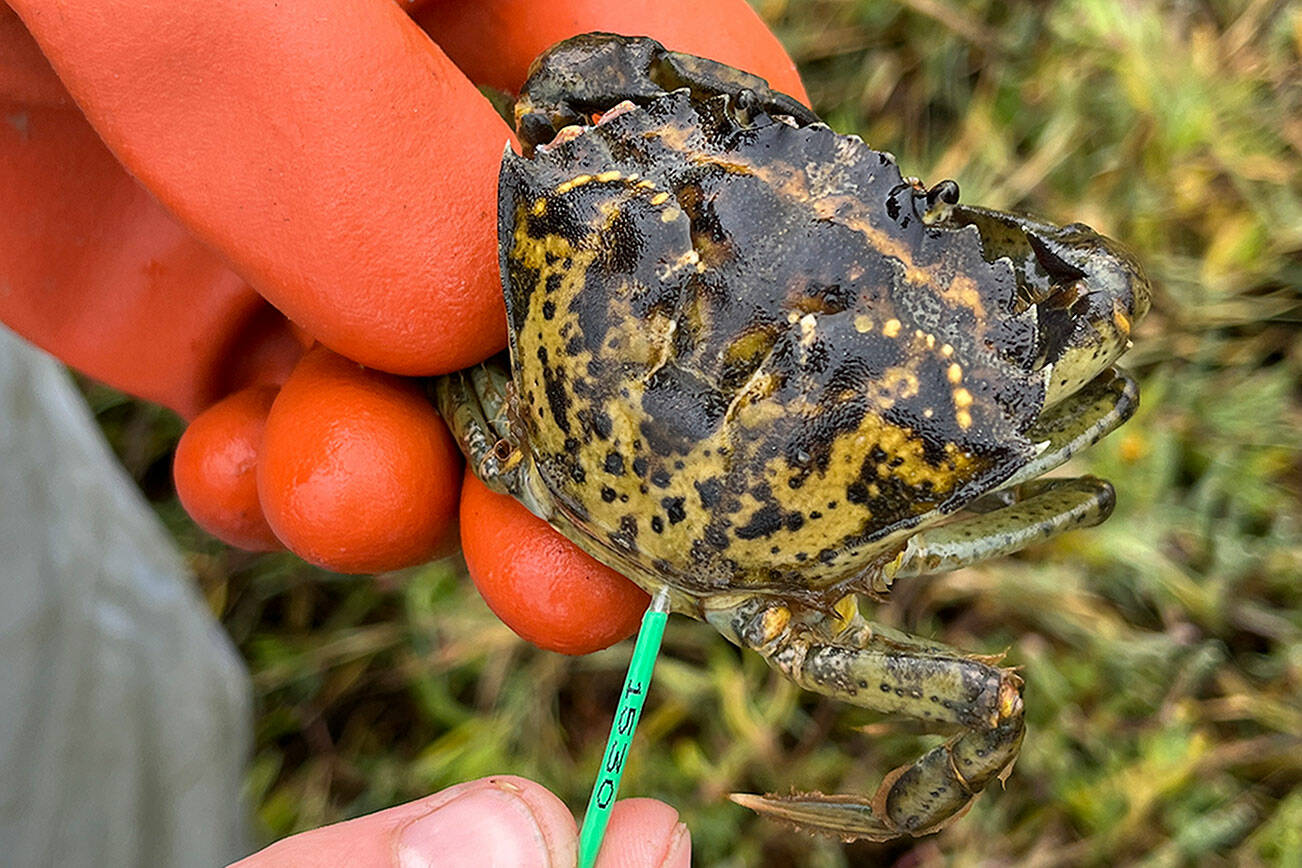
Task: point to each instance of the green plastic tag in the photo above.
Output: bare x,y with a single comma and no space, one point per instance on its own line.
627,714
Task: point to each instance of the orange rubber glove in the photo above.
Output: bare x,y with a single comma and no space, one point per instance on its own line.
328,155
98,274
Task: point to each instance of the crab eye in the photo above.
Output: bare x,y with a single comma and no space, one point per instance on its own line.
1058,269
746,105
536,129
502,449
939,202
945,192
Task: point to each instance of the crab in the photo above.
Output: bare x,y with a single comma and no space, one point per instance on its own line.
752,364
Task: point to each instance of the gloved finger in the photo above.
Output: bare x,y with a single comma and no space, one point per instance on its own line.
357,472
25,74
494,41
97,273
329,151
542,586
215,469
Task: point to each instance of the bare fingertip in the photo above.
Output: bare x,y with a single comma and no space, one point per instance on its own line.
554,819
645,833
679,854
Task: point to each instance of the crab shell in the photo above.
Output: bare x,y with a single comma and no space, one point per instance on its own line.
744,361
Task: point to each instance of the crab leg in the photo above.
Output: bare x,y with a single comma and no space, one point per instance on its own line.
1039,509
473,403
1027,509
927,682
1080,421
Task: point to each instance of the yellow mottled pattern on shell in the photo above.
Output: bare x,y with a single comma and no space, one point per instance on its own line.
647,508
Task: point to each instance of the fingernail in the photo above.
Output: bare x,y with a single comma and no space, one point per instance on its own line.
489,826
679,854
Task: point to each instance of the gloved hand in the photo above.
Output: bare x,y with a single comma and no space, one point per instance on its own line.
279,175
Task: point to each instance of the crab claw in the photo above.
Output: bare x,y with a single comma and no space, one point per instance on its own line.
1087,289
915,799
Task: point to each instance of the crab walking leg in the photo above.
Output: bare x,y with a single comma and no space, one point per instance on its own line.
1039,509
927,682
473,402
1079,421
1027,509
913,800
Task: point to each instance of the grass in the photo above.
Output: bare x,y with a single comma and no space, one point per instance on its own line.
1162,651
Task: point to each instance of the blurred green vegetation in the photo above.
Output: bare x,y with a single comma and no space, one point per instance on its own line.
1161,651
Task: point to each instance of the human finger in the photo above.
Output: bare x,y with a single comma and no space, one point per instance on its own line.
645,833
501,820
329,151
97,273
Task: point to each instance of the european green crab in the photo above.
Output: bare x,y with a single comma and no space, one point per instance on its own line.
752,363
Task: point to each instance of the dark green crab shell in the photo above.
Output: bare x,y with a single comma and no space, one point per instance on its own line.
742,358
